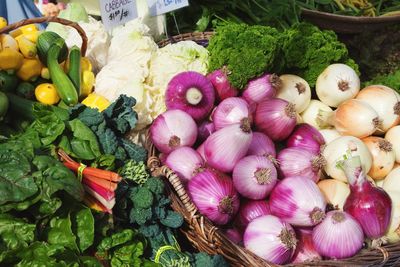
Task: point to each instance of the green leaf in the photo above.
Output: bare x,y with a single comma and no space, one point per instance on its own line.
120,115
84,142
60,233
83,223
39,254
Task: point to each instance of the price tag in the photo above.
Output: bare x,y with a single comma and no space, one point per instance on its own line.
117,12
158,7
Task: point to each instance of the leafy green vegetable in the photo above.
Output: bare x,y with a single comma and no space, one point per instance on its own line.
83,222
135,171
120,115
60,233
392,80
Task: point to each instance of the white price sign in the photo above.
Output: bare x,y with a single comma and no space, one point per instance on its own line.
158,7
117,12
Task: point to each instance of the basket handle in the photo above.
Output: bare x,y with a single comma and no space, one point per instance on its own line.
50,19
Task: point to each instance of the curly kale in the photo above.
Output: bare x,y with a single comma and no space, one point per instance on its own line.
135,171
392,80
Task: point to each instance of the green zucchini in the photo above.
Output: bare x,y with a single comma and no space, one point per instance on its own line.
74,70
44,41
4,104
8,82
64,86
26,90
21,106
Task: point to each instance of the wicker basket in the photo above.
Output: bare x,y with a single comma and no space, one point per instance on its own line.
206,237
65,22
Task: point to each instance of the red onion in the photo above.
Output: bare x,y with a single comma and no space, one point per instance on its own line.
234,235
250,210
219,80
262,145
297,161
261,88
201,151
271,239
185,162
276,118
338,236
307,137
305,250
205,129
298,201
371,206
254,177
173,129
214,195
191,92
225,147
230,111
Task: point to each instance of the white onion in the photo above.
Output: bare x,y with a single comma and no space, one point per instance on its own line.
339,147
392,181
311,114
271,239
383,156
393,136
393,232
336,84
385,101
354,117
296,90
335,192
329,135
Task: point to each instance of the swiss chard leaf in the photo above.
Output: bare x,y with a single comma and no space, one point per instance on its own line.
83,226
84,142
60,233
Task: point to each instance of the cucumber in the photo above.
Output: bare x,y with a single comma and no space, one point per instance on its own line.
4,104
64,86
44,41
21,106
74,71
8,82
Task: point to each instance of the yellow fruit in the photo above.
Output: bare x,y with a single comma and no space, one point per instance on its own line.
45,73
46,93
7,41
10,59
86,64
33,36
96,101
30,69
87,84
27,48
3,22
26,29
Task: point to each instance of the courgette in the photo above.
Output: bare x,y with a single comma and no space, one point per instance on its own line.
8,82
74,70
45,40
4,104
21,106
64,86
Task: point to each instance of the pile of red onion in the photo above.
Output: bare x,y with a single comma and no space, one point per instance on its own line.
226,156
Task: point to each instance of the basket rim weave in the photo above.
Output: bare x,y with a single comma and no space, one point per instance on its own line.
207,237
39,20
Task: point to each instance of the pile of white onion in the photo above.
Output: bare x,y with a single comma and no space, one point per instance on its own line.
263,198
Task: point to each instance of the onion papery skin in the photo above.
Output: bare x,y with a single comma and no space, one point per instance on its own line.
261,88
234,235
270,238
295,90
296,161
173,129
262,145
254,177
338,236
393,137
197,105
356,118
393,233
222,86
335,192
298,201
383,156
230,111
276,118
305,249
250,210
312,113
307,137
329,135
334,151
385,102
369,205
185,162
224,148
201,152
214,195
336,84
205,129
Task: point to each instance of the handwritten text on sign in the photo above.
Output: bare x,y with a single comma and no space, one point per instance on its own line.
158,7
117,12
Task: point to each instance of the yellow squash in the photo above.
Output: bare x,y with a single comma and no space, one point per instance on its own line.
7,41
27,48
96,101
46,93
87,84
10,59
30,69
26,29
3,22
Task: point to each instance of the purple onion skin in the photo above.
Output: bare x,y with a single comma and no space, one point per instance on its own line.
305,249
262,145
371,206
276,118
205,129
307,137
214,195
250,210
259,89
176,97
221,84
234,235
